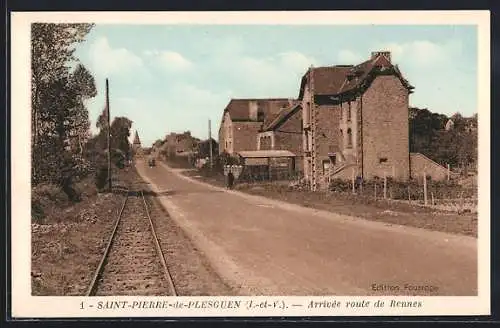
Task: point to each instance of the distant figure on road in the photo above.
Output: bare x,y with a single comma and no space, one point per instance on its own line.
359,183
230,180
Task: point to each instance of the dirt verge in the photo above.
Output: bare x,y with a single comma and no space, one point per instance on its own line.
68,246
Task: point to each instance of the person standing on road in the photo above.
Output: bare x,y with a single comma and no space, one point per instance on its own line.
230,180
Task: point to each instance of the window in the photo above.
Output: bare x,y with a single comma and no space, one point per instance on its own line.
349,138
326,166
341,112
260,115
382,160
349,112
307,140
333,159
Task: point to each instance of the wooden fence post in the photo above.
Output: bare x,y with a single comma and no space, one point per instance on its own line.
448,165
353,187
425,189
461,201
385,185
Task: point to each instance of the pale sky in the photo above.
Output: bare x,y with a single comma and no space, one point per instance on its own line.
172,78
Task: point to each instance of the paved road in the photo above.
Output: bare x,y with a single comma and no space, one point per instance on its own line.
267,247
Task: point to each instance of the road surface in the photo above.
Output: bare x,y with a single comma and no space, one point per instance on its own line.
266,247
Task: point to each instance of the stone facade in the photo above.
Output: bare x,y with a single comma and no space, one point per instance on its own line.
243,119
358,123
421,163
226,141
284,133
244,136
288,136
385,141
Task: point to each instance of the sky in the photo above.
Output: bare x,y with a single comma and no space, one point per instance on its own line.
174,78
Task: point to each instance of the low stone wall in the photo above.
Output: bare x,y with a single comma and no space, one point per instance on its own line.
420,163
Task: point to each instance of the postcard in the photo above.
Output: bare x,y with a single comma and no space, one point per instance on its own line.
250,164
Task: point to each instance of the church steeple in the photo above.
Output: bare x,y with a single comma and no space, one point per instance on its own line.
136,145
137,141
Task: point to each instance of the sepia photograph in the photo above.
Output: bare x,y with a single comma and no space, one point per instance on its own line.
264,165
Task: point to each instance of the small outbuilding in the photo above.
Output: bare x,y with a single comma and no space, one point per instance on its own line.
267,164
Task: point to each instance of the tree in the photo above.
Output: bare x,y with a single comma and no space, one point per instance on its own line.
60,85
119,143
120,132
158,143
52,53
457,147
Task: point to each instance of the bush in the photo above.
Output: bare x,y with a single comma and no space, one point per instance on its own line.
49,191
44,197
101,177
37,213
339,185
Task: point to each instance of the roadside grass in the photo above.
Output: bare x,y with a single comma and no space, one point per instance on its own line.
387,211
68,240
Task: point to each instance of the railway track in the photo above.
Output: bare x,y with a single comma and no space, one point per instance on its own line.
133,262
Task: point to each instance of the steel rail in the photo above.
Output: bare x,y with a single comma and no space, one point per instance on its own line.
100,267
166,271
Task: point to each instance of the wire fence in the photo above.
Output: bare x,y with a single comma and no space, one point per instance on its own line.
443,195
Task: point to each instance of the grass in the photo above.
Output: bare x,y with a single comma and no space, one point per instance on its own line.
68,243
389,212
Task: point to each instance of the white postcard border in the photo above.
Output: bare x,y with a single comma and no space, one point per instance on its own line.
25,305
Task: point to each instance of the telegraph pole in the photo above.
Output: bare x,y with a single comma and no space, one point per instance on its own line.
210,141
109,134
312,110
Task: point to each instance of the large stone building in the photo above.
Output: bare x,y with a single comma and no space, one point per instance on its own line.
349,121
355,121
243,119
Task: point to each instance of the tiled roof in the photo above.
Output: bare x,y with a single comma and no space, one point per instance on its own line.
335,80
281,117
239,109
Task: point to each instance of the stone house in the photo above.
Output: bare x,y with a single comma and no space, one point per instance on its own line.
179,144
284,132
355,121
243,119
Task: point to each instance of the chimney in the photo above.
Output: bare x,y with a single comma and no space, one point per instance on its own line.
386,54
253,110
